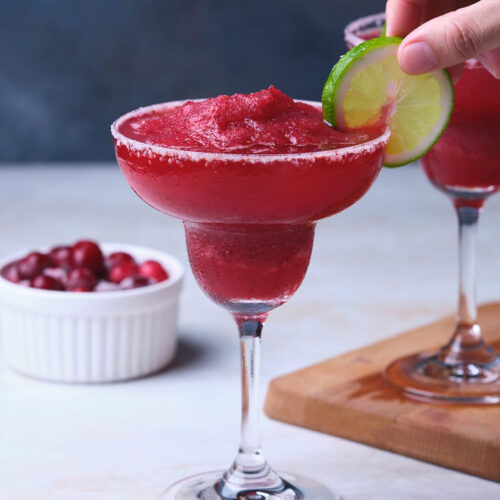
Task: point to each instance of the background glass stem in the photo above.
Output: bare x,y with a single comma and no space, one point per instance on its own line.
467,221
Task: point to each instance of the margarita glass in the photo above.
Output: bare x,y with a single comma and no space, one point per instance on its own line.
464,164
249,221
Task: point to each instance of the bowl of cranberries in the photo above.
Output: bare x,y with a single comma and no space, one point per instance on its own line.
89,312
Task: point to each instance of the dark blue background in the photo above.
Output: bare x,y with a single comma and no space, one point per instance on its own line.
68,68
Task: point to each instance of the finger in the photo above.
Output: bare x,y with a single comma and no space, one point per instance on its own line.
403,16
452,38
440,7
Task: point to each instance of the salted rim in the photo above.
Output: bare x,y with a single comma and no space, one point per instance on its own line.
142,147
359,26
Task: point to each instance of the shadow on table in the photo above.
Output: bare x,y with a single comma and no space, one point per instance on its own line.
191,351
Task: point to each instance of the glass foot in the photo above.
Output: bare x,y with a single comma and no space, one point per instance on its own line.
427,378
201,487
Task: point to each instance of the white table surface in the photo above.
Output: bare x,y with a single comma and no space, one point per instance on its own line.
383,266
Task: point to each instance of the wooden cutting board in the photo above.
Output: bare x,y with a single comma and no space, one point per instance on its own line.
347,397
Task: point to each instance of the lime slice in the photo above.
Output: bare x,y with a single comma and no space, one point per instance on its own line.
367,86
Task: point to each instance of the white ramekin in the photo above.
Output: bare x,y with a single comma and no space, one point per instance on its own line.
94,336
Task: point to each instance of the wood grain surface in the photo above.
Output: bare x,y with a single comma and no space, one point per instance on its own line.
346,396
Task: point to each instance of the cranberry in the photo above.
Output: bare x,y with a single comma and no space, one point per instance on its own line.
81,277
61,256
116,258
81,289
121,271
135,281
33,264
11,272
86,253
46,283
58,273
153,270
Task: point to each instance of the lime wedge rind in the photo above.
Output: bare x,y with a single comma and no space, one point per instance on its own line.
367,85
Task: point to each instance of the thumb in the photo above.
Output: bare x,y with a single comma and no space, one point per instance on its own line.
453,38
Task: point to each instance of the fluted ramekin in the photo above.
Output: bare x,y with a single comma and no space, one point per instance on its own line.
93,336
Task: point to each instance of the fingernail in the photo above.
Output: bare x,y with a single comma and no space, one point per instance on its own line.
418,57
491,61
456,72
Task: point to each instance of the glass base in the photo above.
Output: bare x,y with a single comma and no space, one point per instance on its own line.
427,378
201,487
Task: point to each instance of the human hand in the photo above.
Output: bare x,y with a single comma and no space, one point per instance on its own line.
445,33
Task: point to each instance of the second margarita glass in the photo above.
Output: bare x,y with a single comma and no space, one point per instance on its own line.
464,164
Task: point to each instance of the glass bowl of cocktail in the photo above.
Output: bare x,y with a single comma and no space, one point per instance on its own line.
464,165
249,212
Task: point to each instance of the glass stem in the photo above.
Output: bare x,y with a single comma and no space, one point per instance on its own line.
466,349
249,453
468,218
250,470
